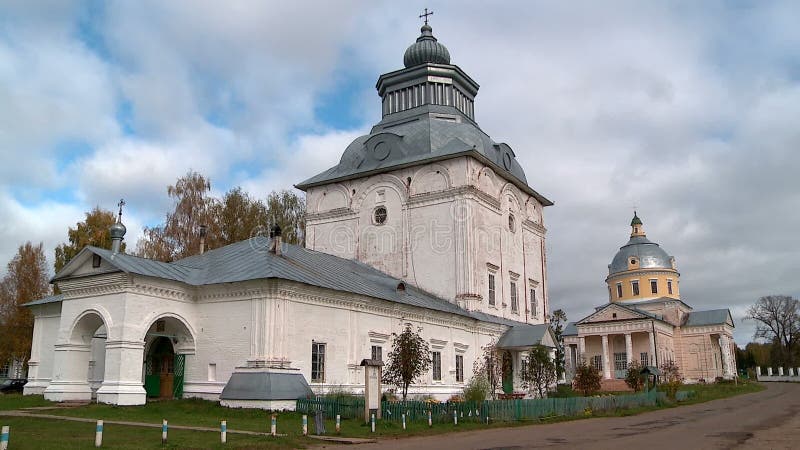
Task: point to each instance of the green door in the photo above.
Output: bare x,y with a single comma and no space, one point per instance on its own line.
152,381
508,373
177,387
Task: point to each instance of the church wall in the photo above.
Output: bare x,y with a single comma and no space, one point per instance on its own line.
45,332
452,215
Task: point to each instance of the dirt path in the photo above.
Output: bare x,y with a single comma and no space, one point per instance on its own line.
768,419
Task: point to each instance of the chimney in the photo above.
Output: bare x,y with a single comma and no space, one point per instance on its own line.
202,239
117,230
275,235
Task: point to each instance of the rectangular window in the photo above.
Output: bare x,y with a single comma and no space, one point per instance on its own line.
534,306
635,287
437,365
4,369
619,290
460,368
377,352
491,289
644,359
597,362
212,372
317,362
619,362
514,305
669,287
654,286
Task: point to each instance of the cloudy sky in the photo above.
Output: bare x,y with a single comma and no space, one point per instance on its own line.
687,110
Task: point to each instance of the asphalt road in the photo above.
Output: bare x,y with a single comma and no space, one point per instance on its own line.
768,419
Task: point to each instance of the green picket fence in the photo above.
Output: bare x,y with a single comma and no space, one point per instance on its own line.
503,410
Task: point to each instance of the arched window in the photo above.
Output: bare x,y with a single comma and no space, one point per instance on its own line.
379,216
512,223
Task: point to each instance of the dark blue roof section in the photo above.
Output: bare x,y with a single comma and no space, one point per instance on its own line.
251,260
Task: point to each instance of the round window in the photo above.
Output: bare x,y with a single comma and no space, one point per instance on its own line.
511,223
379,216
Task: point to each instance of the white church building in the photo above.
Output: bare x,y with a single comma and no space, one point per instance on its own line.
426,220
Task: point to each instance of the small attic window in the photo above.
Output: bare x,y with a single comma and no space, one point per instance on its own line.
401,287
95,261
613,315
633,261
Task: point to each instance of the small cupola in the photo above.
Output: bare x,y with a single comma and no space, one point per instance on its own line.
117,230
636,226
427,49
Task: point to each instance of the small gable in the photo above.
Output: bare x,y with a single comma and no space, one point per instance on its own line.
86,262
612,312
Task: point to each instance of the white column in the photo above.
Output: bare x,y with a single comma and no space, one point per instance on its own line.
606,362
628,348
652,347
727,367
581,348
70,367
122,382
780,371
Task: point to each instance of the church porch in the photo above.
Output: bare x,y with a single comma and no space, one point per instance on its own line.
610,353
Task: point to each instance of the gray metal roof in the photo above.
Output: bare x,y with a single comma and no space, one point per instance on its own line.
423,138
46,300
265,386
710,317
649,254
524,336
570,330
250,260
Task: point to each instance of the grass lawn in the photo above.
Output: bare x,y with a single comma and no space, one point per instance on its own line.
27,433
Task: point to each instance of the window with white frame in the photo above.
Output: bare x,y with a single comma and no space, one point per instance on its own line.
492,292
460,368
514,300
377,353
436,364
635,287
317,362
654,286
643,359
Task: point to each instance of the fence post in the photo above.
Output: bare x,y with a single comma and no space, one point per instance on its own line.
273,426
164,428
430,422
372,422
338,423
223,431
404,421
305,425
98,434
4,438
455,417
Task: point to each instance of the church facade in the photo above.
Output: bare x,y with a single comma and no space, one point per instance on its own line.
425,220
646,321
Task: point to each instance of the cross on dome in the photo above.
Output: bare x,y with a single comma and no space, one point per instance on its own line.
425,16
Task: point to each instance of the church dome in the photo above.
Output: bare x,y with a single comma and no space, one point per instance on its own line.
648,254
426,50
118,230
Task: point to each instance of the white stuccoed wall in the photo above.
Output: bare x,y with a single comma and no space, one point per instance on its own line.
445,230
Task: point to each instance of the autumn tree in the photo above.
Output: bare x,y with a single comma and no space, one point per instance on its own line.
539,371
288,210
671,378
94,231
777,320
238,217
633,377
26,280
179,237
490,365
557,322
409,358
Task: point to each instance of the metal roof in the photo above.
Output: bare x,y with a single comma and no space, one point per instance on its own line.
250,260
524,336
570,330
44,301
265,386
649,254
710,317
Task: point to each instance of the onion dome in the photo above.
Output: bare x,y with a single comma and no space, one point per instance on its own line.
636,220
426,50
118,230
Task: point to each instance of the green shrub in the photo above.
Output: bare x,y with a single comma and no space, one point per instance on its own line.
634,377
563,391
477,389
587,379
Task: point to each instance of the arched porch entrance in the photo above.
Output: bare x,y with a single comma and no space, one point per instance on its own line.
167,342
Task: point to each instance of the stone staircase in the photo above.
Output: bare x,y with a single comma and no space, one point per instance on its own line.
614,385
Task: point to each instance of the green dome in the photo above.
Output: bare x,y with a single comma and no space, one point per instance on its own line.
636,220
